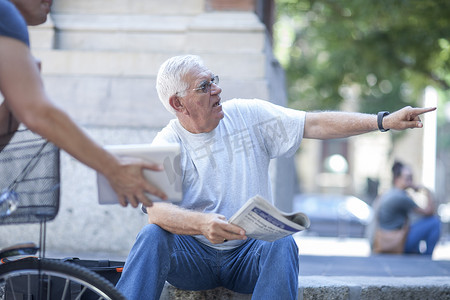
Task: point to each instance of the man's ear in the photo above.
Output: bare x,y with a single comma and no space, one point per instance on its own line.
175,103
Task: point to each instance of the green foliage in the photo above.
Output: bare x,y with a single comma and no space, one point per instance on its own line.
380,54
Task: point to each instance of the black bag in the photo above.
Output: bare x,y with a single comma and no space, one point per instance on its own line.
111,270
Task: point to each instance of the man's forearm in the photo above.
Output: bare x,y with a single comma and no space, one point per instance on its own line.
330,125
175,219
181,221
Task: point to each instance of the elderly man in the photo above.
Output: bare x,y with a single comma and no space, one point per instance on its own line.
226,149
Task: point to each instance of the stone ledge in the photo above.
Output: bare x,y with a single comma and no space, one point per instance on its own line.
210,22
128,23
231,21
171,293
211,32
340,287
368,287
110,63
177,42
185,7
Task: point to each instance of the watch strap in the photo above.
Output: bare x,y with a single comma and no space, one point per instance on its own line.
380,117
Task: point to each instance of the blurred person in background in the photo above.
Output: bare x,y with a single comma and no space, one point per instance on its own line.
25,101
397,210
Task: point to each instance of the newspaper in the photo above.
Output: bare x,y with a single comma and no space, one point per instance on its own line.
261,220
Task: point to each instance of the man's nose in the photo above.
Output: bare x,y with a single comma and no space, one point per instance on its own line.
215,89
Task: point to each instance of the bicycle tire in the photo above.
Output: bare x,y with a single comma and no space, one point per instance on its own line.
53,279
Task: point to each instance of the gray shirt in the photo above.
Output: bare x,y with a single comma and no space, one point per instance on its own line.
223,168
394,208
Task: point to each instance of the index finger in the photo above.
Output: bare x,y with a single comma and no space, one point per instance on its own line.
422,110
232,228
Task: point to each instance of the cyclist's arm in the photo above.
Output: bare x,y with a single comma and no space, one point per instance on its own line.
22,87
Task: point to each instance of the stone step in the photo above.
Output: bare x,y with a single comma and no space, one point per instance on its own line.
176,7
339,287
368,287
233,32
226,32
144,64
209,22
120,32
172,293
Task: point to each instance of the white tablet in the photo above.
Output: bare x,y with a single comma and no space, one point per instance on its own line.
168,180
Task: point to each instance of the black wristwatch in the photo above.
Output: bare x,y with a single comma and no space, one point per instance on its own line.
380,117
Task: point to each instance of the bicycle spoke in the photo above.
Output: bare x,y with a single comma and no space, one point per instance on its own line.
66,288
29,286
48,287
12,289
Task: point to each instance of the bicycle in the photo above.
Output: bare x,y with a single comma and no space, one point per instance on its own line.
29,178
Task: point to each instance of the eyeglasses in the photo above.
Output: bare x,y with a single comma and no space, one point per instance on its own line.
205,86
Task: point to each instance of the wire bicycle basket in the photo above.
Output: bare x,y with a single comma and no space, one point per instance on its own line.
29,178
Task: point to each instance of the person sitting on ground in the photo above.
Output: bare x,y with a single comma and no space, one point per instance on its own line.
226,150
27,102
397,208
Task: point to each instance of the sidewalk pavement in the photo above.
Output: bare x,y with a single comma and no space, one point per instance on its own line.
374,266
352,257
360,247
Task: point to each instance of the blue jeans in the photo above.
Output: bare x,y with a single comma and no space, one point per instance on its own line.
269,270
426,229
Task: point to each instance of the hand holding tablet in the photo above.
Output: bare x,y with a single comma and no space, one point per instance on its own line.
168,180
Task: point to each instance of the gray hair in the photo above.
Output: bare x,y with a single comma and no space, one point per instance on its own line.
171,77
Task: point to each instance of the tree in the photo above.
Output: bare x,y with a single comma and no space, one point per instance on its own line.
381,53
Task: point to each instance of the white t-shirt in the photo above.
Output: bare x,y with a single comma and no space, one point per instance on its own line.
223,168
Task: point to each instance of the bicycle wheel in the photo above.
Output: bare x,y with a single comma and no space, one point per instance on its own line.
33,278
